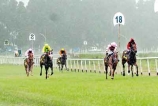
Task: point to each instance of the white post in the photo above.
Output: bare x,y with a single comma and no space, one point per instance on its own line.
99,66
78,65
141,66
85,65
81,66
156,66
148,66
94,66
89,65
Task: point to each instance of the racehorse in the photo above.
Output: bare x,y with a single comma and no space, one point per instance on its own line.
28,64
61,61
111,62
130,58
47,62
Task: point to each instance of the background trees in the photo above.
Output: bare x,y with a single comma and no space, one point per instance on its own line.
67,23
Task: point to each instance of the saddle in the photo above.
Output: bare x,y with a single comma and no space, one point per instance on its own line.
108,57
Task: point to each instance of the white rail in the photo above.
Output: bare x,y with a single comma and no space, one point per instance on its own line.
147,65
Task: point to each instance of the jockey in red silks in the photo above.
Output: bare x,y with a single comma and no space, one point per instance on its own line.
130,43
28,52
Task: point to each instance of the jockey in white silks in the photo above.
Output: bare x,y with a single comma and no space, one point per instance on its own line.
111,48
28,52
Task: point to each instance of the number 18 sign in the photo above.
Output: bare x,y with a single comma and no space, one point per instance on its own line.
118,19
156,6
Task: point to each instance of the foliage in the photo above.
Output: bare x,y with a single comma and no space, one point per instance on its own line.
77,20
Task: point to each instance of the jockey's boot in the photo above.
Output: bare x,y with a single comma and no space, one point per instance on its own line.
107,57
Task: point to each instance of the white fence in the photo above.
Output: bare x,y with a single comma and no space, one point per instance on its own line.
147,65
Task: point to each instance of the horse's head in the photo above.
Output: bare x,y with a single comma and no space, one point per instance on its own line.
115,58
30,55
134,48
63,58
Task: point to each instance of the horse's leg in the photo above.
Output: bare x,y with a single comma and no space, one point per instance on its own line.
65,65
111,71
27,70
59,66
46,68
123,64
31,69
51,69
136,69
106,69
132,70
114,68
62,66
25,66
111,68
41,65
128,68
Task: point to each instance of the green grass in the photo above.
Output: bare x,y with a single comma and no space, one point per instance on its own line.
74,89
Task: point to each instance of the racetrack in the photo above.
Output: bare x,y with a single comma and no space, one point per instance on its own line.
74,89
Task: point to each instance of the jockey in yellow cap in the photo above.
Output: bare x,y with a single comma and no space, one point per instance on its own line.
62,51
47,49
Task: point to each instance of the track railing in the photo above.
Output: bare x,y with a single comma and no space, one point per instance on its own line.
146,65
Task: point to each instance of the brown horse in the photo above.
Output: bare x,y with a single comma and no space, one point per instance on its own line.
28,64
111,62
130,58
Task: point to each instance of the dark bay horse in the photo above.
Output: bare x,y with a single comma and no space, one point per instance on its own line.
46,61
111,62
130,58
61,61
28,64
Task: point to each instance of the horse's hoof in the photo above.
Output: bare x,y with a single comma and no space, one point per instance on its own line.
112,78
137,74
52,73
123,74
128,71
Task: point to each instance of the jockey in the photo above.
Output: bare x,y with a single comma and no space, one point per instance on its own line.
111,49
129,45
62,51
46,50
28,52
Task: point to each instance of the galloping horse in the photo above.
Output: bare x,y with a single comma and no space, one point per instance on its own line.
112,63
61,61
47,62
130,58
28,64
